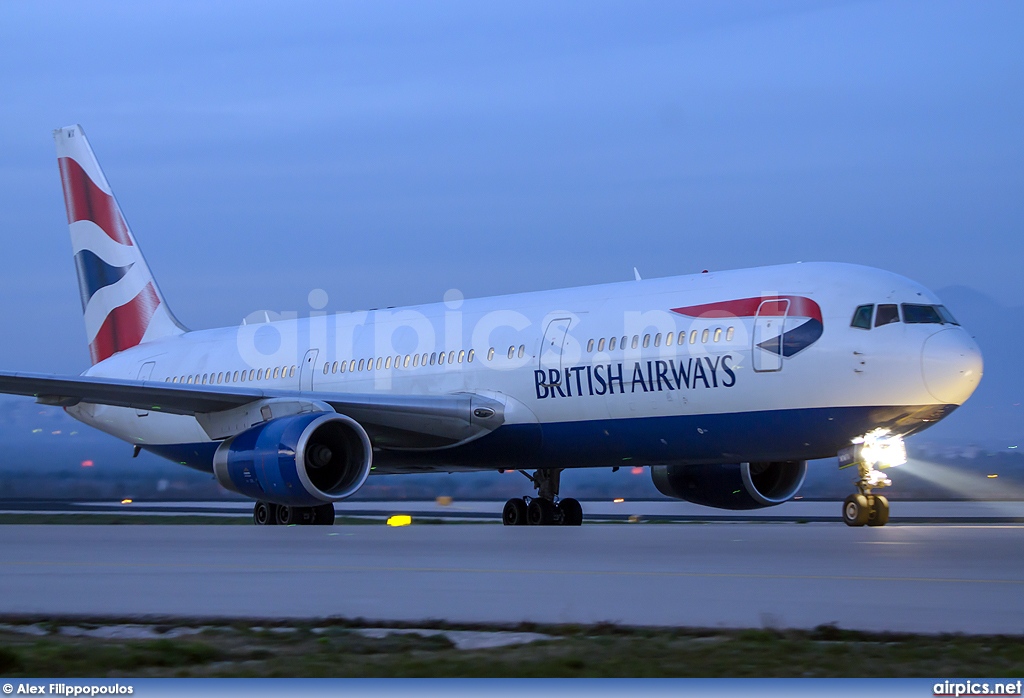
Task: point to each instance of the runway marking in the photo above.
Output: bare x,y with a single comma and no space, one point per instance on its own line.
481,570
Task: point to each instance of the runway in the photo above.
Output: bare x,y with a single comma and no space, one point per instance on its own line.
945,578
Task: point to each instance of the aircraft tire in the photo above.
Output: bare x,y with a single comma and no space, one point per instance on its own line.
541,512
323,515
514,513
287,515
879,511
264,514
856,510
572,512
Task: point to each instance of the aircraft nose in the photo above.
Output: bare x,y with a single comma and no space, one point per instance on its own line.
951,364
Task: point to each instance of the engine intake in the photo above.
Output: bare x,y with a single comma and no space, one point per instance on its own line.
731,485
299,460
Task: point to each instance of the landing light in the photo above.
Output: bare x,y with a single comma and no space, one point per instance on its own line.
399,520
880,449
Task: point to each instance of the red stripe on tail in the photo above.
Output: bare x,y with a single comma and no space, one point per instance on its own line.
87,202
125,325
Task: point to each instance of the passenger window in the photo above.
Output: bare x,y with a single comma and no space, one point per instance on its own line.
511,352
387,362
921,315
327,368
622,344
234,377
729,333
351,367
462,355
704,337
277,371
611,343
451,356
433,357
657,339
718,333
668,338
204,379
360,365
334,368
522,350
342,367
259,375
469,357
682,338
636,341
862,317
490,353
647,341
693,337
590,346
600,344
415,360
380,362
886,315
440,359
241,378
405,364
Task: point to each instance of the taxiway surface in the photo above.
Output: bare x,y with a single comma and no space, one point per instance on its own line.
939,578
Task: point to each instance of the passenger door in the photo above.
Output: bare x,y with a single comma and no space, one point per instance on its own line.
306,370
552,346
769,326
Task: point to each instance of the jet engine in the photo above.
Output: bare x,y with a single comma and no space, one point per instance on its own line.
731,485
298,460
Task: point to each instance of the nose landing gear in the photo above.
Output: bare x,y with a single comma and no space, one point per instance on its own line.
546,509
876,449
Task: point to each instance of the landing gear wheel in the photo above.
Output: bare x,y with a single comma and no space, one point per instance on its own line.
879,511
514,513
856,510
541,512
572,512
292,516
264,514
323,515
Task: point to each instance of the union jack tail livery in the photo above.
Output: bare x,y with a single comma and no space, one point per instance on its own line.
122,304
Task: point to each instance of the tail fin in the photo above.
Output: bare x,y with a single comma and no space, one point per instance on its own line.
122,304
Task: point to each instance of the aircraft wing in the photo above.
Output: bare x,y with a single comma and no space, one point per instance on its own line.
391,421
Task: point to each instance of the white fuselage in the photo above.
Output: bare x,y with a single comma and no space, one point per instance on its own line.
710,393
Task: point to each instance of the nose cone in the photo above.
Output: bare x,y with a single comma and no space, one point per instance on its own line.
951,364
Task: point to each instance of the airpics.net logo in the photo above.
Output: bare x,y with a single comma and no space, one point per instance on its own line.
967,689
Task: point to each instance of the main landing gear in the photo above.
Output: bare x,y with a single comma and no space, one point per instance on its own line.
546,509
267,514
876,449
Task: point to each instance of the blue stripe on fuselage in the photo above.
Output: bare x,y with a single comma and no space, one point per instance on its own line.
802,434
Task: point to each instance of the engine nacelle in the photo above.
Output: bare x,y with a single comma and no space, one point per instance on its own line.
299,460
731,485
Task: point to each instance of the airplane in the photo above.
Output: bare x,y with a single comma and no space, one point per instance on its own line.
724,383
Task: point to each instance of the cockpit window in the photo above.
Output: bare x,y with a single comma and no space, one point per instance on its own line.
862,317
927,315
946,315
887,314
921,314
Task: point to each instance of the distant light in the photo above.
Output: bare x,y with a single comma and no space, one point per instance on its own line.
87,464
126,501
799,496
1011,447
993,476
399,520
637,471
618,500
55,432
37,431
443,500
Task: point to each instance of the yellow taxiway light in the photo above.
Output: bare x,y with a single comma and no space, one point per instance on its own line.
618,500
444,501
399,520
992,476
126,501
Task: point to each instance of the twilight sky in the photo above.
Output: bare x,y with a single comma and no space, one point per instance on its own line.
389,151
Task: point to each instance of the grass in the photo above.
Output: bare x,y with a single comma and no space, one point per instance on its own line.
241,649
